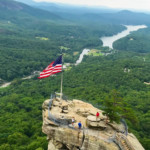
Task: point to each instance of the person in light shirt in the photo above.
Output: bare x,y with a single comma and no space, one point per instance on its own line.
73,121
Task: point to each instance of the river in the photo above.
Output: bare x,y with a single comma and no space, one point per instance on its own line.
108,41
84,52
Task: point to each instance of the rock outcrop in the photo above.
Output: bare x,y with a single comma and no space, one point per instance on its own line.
95,134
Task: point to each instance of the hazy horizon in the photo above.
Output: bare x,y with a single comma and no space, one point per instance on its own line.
115,4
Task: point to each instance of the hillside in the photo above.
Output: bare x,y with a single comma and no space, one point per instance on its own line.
94,14
98,15
121,17
136,42
129,17
10,8
30,41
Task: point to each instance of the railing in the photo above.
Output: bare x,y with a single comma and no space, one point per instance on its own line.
125,126
58,121
64,97
51,101
123,142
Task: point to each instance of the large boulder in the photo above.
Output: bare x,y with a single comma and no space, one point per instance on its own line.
117,127
95,134
93,119
45,104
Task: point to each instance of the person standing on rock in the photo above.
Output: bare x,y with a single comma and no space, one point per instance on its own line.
73,121
97,116
80,125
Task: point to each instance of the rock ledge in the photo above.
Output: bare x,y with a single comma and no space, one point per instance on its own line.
96,133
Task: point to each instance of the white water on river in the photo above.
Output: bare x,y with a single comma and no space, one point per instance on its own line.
84,52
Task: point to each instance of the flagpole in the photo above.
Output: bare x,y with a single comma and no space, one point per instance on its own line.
61,86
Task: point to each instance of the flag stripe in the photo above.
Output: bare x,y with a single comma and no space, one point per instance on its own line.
51,70
47,75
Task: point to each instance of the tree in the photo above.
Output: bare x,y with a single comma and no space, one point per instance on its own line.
113,106
116,108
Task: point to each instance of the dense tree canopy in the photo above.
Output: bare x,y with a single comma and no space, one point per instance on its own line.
93,82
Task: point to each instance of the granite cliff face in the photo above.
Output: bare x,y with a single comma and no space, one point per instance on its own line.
96,134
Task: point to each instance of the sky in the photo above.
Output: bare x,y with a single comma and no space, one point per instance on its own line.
125,4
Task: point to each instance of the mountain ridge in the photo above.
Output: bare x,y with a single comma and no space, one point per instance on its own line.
9,8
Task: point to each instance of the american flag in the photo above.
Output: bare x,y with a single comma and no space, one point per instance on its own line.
54,67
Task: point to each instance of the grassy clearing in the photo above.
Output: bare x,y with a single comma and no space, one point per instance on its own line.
68,68
42,38
64,48
95,52
75,53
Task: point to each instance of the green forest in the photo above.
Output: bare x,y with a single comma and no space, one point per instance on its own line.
30,49
21,102
31,38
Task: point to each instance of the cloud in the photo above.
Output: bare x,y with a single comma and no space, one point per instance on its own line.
132,4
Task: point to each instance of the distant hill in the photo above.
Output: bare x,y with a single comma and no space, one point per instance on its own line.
28,2
121,17
128,17
56,11
15,11
63,7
